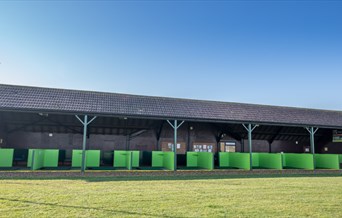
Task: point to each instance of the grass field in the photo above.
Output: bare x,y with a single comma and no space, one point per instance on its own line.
261,196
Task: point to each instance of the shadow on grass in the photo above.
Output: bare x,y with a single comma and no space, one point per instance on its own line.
105,178
114,212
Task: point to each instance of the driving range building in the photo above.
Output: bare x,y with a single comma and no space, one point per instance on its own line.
34,118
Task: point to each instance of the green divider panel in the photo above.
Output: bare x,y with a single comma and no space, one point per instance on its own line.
136,158
267,161
51,157
255,160
76,160
37,156
203,160
164,159
29,158
120,159
169,161
224,159
340,157
327,161
192,159
123,158
92,158
234,160
157,158
6,157
206,160
298,161
129,158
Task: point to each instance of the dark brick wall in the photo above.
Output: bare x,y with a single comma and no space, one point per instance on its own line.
333,148
276,147
2,136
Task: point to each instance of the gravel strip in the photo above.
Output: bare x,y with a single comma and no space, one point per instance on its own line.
161,173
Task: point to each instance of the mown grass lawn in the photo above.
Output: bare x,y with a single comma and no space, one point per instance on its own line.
172,197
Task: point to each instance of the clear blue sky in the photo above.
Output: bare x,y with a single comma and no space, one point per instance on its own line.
265,52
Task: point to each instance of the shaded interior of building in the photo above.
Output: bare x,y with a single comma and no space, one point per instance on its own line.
23,131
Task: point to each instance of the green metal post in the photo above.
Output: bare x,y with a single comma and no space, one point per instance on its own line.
175,144
250,144
312,140
312,144
312,132
175,126
85,124
250,129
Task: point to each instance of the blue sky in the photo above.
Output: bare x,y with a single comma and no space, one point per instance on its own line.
265,52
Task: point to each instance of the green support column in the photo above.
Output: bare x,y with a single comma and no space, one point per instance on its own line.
312,132
175,144
84,143
175,127
250,129
250,144
85,125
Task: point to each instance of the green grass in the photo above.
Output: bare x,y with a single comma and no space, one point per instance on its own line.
257,196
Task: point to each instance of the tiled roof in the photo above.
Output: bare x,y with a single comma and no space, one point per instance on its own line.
35,99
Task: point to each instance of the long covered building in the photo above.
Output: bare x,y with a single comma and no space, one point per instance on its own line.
48,118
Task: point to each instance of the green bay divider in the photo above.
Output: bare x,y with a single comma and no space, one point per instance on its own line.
327,161
127,159
6,157
340,157
51,158
37,156
298,161
92,158
42,158
203,160
267,161
192,159
163,159
234,160
76,159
